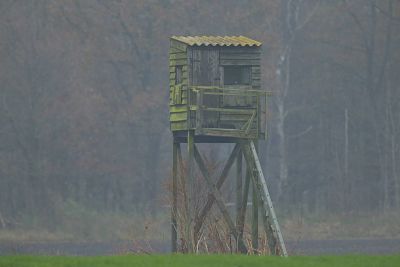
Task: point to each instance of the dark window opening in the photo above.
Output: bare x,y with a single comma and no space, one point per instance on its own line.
178,74
237,75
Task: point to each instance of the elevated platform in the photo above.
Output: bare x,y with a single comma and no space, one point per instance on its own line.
181,137
220,112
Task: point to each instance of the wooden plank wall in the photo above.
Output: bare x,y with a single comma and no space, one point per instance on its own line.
202,66
243,56
178,96
204,71
205,66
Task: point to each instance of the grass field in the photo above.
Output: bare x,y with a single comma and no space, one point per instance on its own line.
203,261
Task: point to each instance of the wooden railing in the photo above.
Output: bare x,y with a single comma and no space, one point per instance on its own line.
215,115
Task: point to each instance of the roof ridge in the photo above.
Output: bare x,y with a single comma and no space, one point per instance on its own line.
213,40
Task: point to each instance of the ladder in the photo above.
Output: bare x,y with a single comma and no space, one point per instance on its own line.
270,220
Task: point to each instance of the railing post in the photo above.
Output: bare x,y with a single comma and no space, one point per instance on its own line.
199,115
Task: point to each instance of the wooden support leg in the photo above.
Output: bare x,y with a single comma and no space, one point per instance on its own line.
254,219
190,191
239,185
242,214
174,210
182,181
184,213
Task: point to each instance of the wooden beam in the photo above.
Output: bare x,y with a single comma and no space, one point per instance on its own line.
242,214
216,193
199,112
182,179
239,185
181,171
220,181
267,201
190,190
254,219
271,239
258,178
240,203
174,210
269,231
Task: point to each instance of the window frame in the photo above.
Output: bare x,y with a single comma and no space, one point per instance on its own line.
237,71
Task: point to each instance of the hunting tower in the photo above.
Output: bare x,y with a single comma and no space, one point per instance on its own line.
216,97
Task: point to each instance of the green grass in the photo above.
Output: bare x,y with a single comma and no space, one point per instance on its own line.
200,261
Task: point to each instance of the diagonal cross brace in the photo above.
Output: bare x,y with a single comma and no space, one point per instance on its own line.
216,193
220,181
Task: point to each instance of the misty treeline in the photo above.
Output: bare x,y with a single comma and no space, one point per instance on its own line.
84,101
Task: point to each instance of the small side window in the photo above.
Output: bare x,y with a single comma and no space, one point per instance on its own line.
178,74
237,75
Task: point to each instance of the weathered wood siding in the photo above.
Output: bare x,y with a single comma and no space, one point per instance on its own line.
178,93
204,70
242,56
204,66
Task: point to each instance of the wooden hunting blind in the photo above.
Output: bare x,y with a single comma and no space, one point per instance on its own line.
216,97
215,87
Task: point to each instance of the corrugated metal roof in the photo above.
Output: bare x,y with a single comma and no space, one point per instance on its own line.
217,40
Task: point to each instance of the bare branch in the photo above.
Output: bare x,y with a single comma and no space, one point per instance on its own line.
358,22
388,40
301,133
308,18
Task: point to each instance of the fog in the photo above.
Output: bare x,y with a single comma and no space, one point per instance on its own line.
85,145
